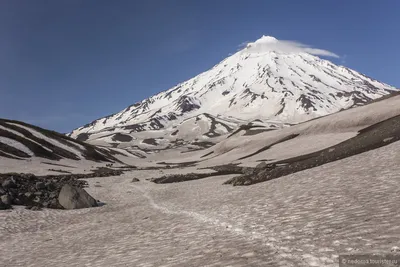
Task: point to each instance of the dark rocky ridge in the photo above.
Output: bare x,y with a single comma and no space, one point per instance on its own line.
217,171
176,178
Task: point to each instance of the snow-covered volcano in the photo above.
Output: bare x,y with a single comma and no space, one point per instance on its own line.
267,80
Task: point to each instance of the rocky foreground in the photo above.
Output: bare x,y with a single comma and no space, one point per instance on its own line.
50,191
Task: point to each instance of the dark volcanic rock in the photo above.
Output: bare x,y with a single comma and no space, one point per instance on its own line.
228,169
122,137
83,137
135,180
248,171
50,186
2,191
261,165
150,141
75,198
186,104
40,185
29,195
4,206
7,199
9,183
17,201
218,170
175,178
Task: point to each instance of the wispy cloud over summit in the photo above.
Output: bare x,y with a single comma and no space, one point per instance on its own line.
268,43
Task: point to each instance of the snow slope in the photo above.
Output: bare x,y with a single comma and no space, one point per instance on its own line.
303,219
253,84
310,136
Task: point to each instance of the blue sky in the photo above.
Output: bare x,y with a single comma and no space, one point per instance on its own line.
66,63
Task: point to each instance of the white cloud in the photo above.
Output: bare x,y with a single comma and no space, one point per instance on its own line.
268,43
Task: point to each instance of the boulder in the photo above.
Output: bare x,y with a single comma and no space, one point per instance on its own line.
50,186
262,165
135,180
17,201
248,170
4,206
28,176
13,192
28,195
2,191
6,199
40,186
75,198
9,183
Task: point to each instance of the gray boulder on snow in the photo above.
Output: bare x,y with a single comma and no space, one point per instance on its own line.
6,199
75,198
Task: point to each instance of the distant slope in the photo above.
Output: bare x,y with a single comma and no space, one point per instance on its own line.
19,140
264,155
308,137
